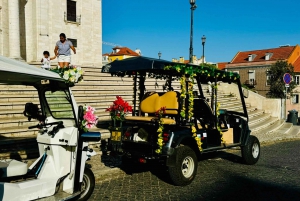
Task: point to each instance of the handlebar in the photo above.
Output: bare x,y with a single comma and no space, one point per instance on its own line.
42,125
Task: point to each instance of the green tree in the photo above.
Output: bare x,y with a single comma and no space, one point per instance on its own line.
275,74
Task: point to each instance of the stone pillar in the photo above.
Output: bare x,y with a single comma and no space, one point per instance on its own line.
14,29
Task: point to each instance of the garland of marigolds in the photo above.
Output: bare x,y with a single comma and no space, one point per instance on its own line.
183,95
160,129
191,112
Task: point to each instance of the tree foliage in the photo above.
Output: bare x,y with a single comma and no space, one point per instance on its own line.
277,85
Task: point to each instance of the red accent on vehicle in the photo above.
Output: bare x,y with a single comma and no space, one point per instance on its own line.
166,134
142,160
166,139
127,134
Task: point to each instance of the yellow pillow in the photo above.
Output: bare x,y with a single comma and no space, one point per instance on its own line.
168,100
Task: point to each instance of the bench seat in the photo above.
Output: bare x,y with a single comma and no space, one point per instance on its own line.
149,119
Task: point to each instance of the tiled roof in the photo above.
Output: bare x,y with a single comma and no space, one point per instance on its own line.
276,54
296,65
186,61
123,51
222,65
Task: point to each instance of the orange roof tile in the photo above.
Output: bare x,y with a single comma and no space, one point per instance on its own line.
296,65
186,61
222,65
123,51
277,54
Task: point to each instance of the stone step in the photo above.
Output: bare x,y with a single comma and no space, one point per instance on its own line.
16,122
18,131
261,125
254,113
294,132
259,118
263,132
18,147
285,128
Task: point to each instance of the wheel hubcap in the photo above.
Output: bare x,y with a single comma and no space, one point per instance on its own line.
255,150
187,167
85,185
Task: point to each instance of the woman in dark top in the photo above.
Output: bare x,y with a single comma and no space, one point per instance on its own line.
62,51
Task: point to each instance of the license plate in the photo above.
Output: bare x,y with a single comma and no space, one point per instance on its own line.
116,135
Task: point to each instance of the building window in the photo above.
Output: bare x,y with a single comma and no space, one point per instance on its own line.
71,11
267,78
297,79
73,41
295,99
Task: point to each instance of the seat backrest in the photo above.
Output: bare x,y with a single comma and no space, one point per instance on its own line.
148,103
152,102
170,101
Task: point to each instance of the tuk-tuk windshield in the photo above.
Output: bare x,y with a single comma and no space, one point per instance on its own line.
60,104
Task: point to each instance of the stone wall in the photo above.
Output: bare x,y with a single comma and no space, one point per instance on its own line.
41,22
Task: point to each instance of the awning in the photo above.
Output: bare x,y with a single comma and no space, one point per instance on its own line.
17,72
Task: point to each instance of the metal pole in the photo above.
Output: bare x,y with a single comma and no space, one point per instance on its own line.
203,54
191,35
286,88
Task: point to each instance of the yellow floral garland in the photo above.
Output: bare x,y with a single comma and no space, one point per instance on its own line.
191,106
191,112
183,95
160,129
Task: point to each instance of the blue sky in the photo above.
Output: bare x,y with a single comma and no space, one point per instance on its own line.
229,26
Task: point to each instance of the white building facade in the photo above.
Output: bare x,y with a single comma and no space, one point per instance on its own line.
29,27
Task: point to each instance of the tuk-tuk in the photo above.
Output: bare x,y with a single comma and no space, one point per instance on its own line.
60,172
176,125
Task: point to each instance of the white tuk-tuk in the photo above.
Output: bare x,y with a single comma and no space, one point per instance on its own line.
59,173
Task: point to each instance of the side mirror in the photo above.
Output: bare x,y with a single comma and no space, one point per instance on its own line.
31,111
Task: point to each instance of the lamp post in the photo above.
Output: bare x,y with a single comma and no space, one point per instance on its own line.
193,7
203,43
159,54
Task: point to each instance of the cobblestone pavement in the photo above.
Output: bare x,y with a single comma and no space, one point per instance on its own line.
276,176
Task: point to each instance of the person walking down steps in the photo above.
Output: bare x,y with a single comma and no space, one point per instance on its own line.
46,60
62,51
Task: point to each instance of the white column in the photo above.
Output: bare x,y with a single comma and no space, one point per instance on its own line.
14,29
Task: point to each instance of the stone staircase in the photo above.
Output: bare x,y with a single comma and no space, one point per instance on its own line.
99,90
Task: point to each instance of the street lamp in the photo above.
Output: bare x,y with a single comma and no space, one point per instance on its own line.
203,43
193,7
159,54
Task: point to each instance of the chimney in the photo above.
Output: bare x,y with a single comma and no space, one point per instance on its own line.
194,59
181,60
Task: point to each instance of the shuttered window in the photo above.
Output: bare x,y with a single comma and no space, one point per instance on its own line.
71,10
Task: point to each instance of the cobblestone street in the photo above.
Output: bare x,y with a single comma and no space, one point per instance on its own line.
223,177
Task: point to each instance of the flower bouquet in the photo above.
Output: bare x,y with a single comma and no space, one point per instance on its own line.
118,110
71,74
89,118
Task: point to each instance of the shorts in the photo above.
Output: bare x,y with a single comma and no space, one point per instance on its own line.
64,58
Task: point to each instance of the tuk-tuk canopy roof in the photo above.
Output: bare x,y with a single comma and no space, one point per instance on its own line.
158,66
17,72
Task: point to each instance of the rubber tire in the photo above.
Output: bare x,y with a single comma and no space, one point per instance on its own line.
175,172
88,176
247,151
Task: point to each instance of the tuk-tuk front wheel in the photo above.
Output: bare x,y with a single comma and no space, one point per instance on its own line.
251,152
88,185
185,169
